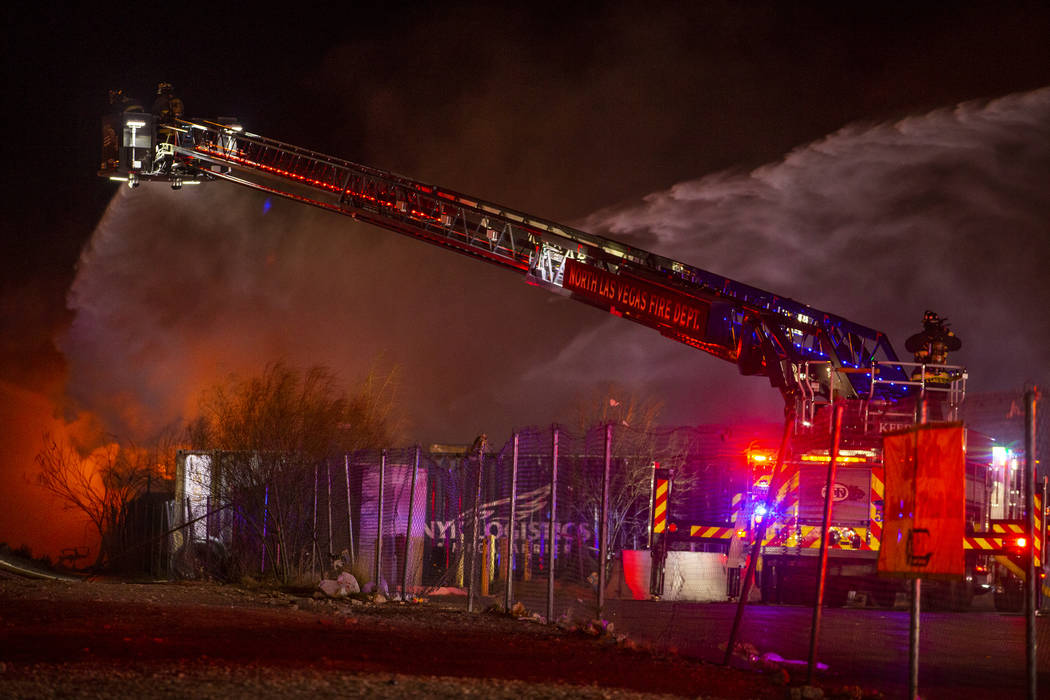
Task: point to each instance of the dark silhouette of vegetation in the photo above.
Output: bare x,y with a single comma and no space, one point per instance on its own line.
102,484
637,446
25,554
274,430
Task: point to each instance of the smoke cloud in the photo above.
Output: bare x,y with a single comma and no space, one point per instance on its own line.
946,211
877,223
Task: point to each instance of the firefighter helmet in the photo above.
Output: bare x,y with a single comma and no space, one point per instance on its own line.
935,332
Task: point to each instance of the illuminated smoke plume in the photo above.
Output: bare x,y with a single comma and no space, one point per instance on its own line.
945,211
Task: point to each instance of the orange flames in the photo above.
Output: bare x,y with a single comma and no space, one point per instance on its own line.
30,515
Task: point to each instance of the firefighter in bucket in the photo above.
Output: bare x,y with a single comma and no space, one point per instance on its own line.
930,349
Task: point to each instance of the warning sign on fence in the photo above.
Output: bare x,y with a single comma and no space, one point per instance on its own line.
924,510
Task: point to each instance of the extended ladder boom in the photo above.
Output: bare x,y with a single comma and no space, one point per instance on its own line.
796,346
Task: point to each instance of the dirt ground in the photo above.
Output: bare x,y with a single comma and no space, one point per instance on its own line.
206,640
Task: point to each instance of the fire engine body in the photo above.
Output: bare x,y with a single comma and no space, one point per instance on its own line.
812,357
793,516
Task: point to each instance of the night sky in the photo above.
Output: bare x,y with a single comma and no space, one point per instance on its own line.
873,162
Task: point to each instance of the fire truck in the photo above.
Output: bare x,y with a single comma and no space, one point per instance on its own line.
994,543
813,358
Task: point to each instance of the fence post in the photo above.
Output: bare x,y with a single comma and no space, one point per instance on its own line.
164,549
509,593
328,473
156,530
313,562
1031,582
349,516
378,570
760,535
266,514
603,537
915,604
552,530
474,528
814,632
408,527
207,533
187,519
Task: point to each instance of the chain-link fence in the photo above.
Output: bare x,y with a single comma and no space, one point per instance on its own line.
561,520
554,519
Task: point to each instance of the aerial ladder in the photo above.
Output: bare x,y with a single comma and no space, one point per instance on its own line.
811,356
